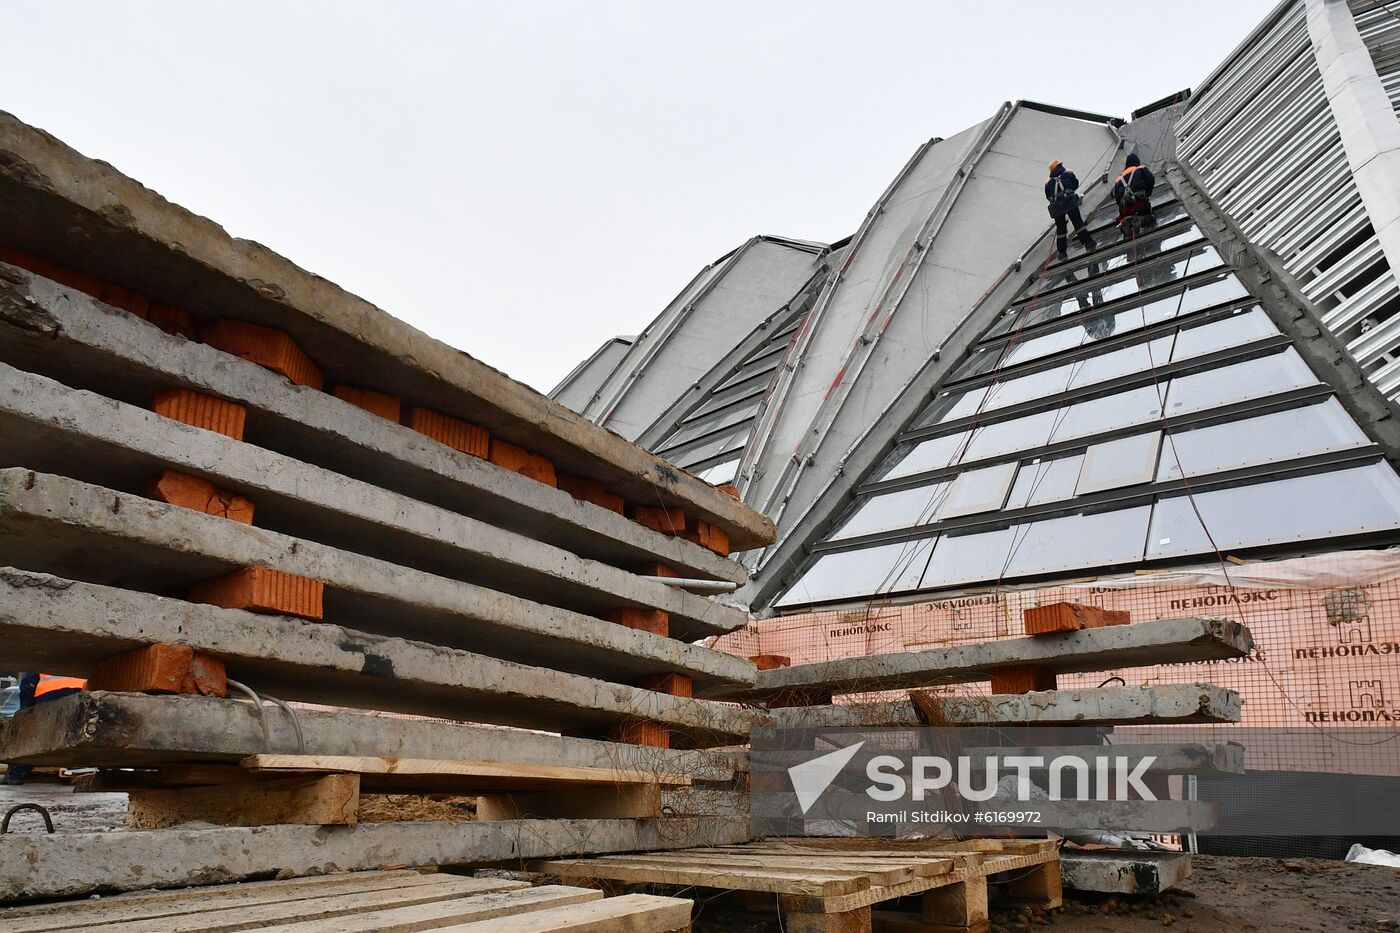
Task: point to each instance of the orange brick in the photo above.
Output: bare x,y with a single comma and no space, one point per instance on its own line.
265,346
124,298
653,569
162,668
707,536
641,732
200,410
378,403
666,521
52,271
769,662
1059,617
1021,678
590,490
655,621
262,589
172,320
676,685
519,460
729,490
191,492
1116,617
454,432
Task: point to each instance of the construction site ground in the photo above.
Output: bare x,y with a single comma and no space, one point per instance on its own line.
1224,895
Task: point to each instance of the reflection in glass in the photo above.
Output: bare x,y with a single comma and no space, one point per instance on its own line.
905,508
886,568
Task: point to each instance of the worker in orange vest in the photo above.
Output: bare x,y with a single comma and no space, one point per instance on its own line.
1132,192
34,689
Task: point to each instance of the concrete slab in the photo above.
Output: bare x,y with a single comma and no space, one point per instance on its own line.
1162,703
81,863
1113,872
84,214
83,532
64,334
131,730
52,624
1142,644
47,426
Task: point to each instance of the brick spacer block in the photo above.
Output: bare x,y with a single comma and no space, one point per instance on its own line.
266,346
1069,617
378,403
707,536
519,460
192,492
770,662
162,668
172,320
454,432
641,732
655,621
1021,678
263,589
590,490
201,411
653,569
676,685
666,521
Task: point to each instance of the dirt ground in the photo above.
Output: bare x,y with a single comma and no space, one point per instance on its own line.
1223,895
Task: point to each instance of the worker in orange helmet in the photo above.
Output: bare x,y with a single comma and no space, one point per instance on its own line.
1132,192
1062,197
34,689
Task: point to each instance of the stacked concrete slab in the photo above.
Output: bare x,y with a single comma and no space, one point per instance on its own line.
212,456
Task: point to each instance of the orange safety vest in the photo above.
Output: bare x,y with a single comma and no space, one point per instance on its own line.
48,683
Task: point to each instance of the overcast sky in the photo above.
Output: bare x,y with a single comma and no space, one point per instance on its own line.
526,179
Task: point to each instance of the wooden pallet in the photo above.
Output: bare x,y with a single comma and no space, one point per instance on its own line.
361,902
833,885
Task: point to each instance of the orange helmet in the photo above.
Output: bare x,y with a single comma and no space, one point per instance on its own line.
1054,165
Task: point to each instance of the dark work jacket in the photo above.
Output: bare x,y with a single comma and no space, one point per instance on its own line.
1140,180
1069,182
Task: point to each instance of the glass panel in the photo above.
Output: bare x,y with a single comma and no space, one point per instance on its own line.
1212,291
1119,285
1265,375
1322,505
720,473
1244,326
1042,481
1127,461
728,440
1075,542
690,430
906,508
1283,435
1083,372
933,454
1137,406
981,490
866,572
1140,252
1070,542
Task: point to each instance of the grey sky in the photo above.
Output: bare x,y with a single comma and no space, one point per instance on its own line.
524,180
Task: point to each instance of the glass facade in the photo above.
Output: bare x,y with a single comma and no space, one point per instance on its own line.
1066,438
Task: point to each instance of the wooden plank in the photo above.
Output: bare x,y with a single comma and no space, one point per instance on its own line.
815,884
332,800
441,913
952,857
174,905
36,917
257,916
468,768
630,913
878,872
845,902
619,802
